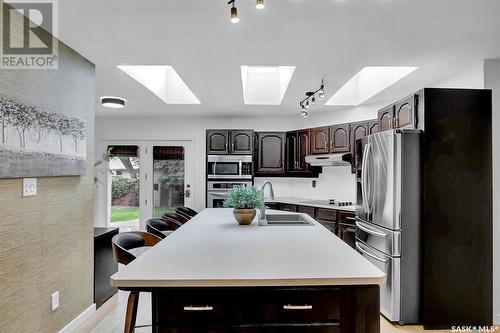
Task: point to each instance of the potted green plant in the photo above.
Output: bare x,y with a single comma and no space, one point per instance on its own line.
244,200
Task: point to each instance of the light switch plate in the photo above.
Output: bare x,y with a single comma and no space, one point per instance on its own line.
55,300
29,187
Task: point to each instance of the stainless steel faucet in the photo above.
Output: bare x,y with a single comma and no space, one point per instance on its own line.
262,212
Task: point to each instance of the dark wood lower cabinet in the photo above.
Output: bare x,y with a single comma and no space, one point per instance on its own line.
329,309
347,232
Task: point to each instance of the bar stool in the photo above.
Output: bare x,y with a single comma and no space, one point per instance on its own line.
127,246
186,211
161,227
179,218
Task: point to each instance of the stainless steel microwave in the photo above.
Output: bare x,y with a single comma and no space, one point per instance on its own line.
229,166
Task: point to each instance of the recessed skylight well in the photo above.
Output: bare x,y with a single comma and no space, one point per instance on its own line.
367,83
265,85
163,81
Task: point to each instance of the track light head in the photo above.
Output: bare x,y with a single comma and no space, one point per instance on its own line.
313,100
302,107
307,105
304,114
234,12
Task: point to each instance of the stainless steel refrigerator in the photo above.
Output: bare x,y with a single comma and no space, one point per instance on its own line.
388,210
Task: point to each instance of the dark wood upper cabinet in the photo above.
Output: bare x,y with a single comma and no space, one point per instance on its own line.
340,141
320,138
304,149
405,113
270,152
358,130
372,127
242,142
220,142
386,119
217,142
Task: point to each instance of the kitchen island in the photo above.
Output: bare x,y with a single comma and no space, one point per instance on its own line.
213,275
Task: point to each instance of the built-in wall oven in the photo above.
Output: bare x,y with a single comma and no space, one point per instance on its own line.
217,191
229,167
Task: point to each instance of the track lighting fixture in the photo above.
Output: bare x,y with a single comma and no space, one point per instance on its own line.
311,95
259,4
234,12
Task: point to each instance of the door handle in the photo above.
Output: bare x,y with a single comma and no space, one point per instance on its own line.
370,231
297,307
371,255
198,308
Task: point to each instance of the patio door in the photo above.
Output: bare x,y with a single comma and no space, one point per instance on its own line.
169,178
143,179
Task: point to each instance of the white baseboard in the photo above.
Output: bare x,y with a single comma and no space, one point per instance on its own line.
496,319
79,320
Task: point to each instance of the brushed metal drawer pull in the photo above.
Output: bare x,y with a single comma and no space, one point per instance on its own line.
198,308
297,307
350,218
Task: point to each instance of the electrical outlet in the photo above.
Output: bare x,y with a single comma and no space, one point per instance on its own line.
314,184
55,300
29,187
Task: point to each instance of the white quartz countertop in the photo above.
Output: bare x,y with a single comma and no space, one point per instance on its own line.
311,203
213,250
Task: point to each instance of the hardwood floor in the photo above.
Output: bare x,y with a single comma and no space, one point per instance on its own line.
110,318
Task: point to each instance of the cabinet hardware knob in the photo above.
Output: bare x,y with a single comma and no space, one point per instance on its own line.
297,307
198,308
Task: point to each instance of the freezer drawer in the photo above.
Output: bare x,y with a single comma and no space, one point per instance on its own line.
385,240
390,290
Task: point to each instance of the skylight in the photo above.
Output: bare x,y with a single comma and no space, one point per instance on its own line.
367,83
164,82
265,85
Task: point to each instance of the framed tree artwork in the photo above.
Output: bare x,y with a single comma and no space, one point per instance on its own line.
38,143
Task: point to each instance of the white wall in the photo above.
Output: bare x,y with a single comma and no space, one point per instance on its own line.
492,81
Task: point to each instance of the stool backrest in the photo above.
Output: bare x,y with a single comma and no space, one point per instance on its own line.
125,241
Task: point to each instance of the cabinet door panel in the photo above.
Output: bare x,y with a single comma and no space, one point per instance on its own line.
241,142
307,210
291,151
358,131
340,139
386,118
319,140
405,113
217,142
373,126
304,147
271,152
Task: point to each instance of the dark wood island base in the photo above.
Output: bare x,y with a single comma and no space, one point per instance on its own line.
317,309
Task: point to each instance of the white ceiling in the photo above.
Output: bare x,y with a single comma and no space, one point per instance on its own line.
333,39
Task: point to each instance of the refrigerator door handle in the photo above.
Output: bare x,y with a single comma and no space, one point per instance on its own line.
370,231
363,180
370,255
368,184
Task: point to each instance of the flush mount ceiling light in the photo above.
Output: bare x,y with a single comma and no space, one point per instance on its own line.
164,82
367,83
260,4
311,96
265,85
113,102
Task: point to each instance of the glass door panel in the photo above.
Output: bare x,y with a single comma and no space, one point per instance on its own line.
168,179
124,169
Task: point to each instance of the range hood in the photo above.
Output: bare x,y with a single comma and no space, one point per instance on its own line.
329,160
